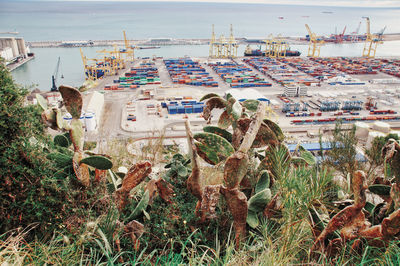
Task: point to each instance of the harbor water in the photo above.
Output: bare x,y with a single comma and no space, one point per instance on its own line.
93,20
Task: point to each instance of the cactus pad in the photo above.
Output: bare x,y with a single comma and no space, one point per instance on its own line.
275,128
208,96
72,99
224,120
235,169
212,148
136,175
259,201
61,160
61,140
218,131
381,190
234,108
77,134
81,170
251,105
98,162
263,181
41,101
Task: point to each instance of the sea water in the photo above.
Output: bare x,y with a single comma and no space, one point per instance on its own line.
91,20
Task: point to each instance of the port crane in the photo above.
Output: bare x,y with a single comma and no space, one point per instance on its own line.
129,50
232,45
55,76
371,42
354,37
93,71
223,48
315,43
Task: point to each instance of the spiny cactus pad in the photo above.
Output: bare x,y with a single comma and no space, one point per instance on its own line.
275,128
98,162
307,156
235,169
77,134
224,120
251,105
41,101
135,176
259,201
81,170
61,140
218,131
62,160
213,148
72,99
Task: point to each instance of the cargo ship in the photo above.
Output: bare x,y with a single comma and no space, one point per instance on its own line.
259,52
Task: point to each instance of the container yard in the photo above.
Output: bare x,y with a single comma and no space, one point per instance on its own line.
280,72
144,74
312,95
238,75
188,72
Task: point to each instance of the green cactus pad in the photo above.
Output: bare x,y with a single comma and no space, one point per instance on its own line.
208,96
275,128
259,201
307,156
219,131
298,161
234,109
98,162
41,101
72,99
224,120
251,105
142,205
77,134
213,148
178,157
263,181
252,219
61,160
382,190
61,140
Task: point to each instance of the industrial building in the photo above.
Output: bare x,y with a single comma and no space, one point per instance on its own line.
13,48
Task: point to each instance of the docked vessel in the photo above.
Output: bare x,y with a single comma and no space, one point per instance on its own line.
259,52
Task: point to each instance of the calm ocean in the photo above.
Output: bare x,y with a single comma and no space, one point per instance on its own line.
44,20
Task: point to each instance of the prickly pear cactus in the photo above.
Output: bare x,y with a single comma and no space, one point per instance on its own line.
219,131
212,148
81,170
72,100
260,199
61,140
77,134
98,162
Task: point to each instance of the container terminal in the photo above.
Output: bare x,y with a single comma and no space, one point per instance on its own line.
144,98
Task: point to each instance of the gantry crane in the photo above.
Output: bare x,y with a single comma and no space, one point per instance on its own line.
315,43
93,71
222,48
275,47
232,45
371,42
129,50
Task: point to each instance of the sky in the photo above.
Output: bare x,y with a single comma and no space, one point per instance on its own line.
356,3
